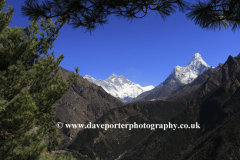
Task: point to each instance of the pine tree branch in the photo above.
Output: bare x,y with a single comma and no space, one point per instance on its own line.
89,13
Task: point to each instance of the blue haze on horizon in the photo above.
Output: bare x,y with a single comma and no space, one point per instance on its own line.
144,51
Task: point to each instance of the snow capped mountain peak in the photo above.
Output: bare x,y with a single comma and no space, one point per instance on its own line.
89,78
194,68
120,87
196,56
179,77
197,60
113,75
117,80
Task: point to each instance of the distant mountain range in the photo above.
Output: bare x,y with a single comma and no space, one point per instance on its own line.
180,76
120,87
213,101
127,91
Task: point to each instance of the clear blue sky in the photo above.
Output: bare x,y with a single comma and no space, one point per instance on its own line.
144,51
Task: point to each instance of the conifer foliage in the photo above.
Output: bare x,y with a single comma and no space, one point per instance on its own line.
208,14
213,14
28,90
90,13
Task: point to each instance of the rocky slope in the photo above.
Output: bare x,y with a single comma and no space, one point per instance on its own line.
179,77
120,87
84,102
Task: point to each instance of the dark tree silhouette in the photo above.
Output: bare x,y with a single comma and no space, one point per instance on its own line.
90,13
214,14
28,90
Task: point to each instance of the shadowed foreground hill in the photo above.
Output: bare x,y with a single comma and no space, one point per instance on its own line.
98,143
84,102
218,115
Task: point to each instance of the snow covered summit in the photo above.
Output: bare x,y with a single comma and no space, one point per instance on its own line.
120,87
194,68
